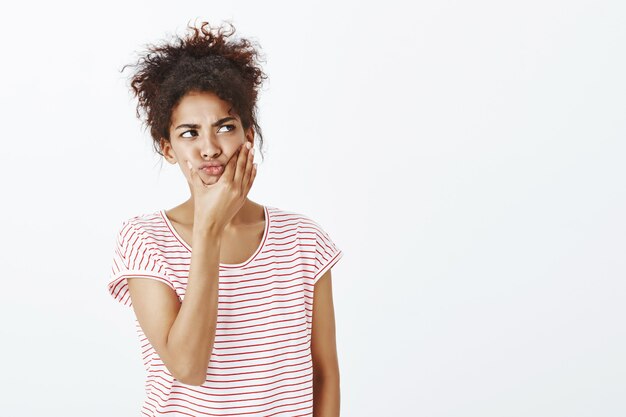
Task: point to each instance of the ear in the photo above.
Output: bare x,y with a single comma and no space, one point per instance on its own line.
166,150
250,135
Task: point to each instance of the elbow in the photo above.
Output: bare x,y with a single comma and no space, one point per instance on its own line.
191,375
326,372
193,381
187,369
189,378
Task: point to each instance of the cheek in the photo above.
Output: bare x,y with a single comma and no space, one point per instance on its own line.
184,167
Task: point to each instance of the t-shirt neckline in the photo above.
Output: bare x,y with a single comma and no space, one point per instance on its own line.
224,265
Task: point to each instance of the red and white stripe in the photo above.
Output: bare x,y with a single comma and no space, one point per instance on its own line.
261,361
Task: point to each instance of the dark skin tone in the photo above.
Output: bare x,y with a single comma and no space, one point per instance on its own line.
243,232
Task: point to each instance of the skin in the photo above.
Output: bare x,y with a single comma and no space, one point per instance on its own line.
206,143
242,235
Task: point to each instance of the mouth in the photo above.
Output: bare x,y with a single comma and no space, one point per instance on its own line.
214,170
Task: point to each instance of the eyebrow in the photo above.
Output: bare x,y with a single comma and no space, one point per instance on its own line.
196,126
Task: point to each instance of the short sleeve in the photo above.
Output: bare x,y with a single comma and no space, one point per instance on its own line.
326,252
133,257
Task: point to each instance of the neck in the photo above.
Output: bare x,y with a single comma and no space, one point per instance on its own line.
245,216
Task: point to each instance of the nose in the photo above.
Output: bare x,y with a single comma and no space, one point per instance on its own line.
209,146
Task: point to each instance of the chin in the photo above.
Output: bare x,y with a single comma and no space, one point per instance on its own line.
210,179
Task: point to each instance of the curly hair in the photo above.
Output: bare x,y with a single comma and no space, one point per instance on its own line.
204,61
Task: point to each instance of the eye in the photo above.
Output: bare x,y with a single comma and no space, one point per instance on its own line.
231,126
187,131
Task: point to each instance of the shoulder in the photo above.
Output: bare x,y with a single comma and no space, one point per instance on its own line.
144,226
293,219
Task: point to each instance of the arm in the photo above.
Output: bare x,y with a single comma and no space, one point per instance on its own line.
326,393
183,333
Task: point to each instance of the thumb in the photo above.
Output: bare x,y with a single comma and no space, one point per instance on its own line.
195,179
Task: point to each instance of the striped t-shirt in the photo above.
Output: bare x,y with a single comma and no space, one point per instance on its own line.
261,361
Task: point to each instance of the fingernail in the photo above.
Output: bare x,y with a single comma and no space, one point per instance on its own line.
189,164
248,145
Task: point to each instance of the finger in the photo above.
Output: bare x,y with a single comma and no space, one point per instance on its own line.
241,166
194,178
252,177
190,171
229,170
248,170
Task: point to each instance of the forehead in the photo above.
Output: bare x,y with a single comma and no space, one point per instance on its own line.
200,107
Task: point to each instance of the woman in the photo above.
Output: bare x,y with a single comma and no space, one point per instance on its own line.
243,324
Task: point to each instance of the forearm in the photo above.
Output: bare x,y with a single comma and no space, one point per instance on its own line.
192,334
326,395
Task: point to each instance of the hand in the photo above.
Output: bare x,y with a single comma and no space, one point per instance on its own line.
216,204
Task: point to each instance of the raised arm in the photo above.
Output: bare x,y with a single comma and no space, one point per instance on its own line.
183,333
